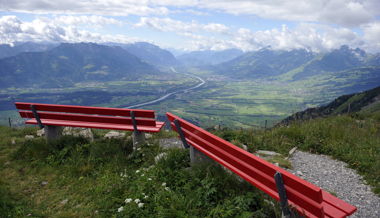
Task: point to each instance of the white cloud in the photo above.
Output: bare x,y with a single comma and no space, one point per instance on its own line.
99,7
372,33
93,21
167,24
43,29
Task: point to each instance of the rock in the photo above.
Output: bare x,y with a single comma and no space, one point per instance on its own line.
129,137
277,164
40,132
113,134
245,147
13,142
148,136
166,130
83,132
159,156
64,201
7,163
44,183
29,137
271,153
96,212
299,173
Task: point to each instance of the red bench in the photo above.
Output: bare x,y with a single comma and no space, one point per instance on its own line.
47,115
307,198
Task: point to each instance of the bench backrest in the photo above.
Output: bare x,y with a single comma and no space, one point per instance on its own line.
258,172
88,114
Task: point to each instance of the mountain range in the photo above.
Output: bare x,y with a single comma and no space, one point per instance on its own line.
68,64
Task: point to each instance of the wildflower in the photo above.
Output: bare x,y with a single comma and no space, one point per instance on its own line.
128,200
120,187
121,178
120,209
138,149
143,193
113,184
108,190
142,175
137,171
121,175
137,201
167,188
141,204
149,179
29,214
146,196
164,184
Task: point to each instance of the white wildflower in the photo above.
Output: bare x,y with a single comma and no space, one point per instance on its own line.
137,171
141,204
142,175
164,184
146,196
121,178
120,209
139,149
137,201
149,179
128,200
167,188
121,174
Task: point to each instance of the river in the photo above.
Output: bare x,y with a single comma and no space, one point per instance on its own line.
167,95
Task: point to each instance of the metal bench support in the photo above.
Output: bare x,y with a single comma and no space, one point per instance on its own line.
282,194
36,116
196,156
138,137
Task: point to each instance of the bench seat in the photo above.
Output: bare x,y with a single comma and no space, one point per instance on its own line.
90,117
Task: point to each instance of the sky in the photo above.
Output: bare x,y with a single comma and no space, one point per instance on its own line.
193,25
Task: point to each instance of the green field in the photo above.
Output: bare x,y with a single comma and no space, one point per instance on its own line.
221,101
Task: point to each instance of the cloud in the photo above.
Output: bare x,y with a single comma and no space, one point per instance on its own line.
99,7
12,29
372,33
347,14
169,25
93,21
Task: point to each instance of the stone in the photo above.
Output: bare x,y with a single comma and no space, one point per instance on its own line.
83,132
113,134
7,163
44,183
277,164
41,132
148,136
270,153
64,201
299,173
159,156
245,147
13,142
29,137
166,130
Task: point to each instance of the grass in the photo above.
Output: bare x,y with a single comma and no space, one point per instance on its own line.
107,178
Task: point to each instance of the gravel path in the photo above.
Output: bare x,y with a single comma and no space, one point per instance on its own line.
330,175
333,176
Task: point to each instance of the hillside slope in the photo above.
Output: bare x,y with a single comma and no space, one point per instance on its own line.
68,64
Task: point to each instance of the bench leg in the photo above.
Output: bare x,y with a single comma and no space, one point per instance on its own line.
53,133
138,139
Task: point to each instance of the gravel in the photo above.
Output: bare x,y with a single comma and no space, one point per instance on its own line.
333,176
328,174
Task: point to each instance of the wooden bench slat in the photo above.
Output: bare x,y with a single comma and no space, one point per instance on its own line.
250,171
315,202
152,129
315,192
86,110
338,203
89,118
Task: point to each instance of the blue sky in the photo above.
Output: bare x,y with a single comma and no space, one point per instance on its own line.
190,25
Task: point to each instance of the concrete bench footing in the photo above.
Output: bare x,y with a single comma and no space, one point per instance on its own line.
53,133
138,139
